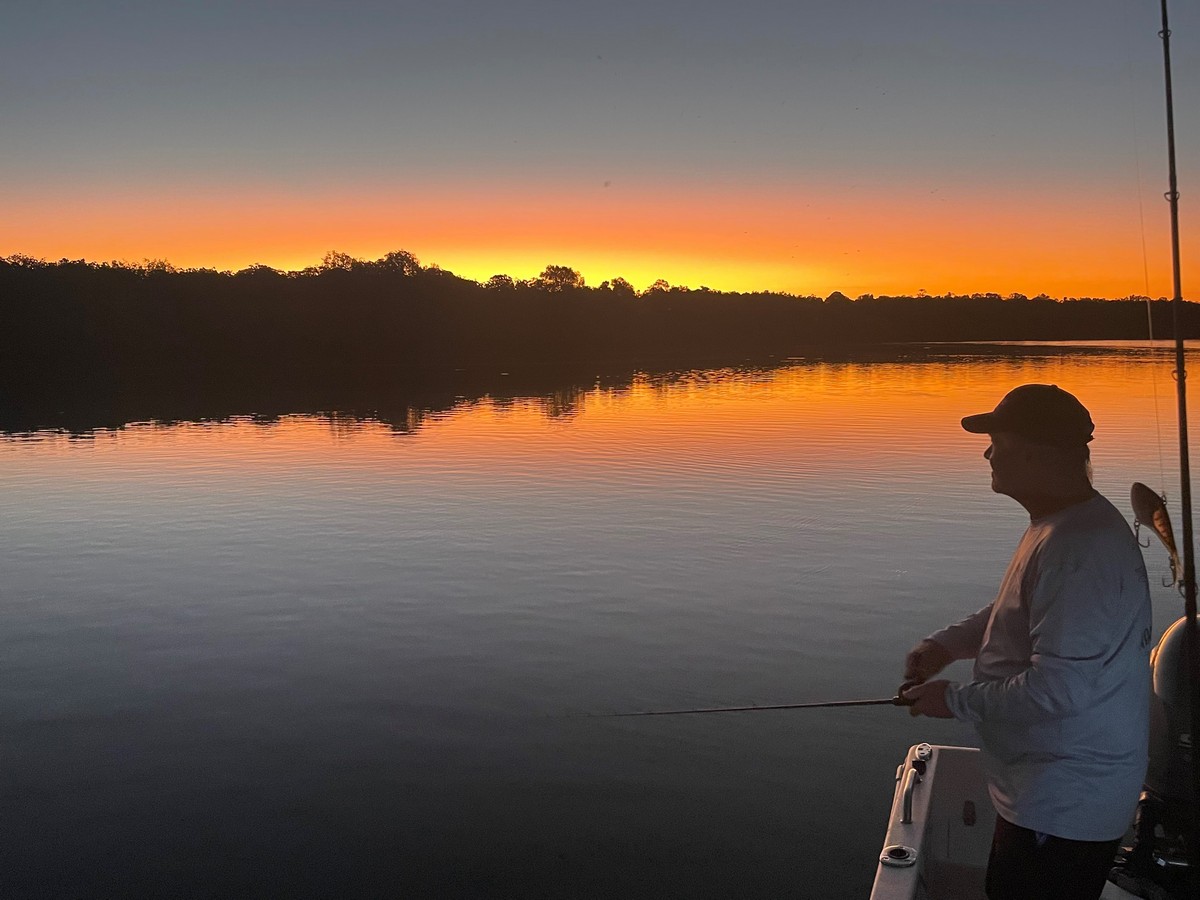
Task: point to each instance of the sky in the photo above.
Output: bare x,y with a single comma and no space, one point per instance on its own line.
866,146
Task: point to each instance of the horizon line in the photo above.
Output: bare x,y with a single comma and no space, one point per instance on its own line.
334,260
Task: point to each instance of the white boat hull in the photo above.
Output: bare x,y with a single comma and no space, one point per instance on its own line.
940,829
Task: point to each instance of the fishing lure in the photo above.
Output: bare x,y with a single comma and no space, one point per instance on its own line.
1150,509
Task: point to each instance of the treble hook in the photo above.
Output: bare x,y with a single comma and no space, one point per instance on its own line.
1137,534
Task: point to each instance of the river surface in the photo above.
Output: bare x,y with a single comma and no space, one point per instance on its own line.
325,655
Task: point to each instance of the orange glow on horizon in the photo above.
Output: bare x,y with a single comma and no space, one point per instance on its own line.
796,239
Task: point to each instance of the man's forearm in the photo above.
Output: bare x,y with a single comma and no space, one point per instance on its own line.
1049,689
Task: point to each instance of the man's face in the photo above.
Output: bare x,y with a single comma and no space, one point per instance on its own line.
1010,457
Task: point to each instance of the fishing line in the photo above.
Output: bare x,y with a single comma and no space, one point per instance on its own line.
1137,168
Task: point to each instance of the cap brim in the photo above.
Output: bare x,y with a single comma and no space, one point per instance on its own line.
980,424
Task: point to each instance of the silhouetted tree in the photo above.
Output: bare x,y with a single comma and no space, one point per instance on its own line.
400,261
559,278
500,282
335,260
258,271
21,261
621,287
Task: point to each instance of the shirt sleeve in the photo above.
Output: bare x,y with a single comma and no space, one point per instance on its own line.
964,638
1073,630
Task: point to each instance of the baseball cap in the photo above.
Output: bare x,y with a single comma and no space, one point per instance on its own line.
1043,413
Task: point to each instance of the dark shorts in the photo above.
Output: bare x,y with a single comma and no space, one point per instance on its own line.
1023,866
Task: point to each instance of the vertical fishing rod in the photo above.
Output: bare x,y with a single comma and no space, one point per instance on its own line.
1192,642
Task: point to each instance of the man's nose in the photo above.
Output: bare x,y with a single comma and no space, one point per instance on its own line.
987,454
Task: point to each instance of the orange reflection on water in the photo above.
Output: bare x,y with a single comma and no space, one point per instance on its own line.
820,418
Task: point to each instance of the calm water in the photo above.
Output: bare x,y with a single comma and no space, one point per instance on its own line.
327,657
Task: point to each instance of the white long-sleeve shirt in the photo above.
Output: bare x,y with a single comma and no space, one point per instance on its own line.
1061,684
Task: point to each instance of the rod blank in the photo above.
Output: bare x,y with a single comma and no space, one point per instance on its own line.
828,704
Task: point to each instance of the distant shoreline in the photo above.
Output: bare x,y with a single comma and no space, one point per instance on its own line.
402,262
74,333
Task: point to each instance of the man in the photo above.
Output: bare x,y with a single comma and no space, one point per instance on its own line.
1061,683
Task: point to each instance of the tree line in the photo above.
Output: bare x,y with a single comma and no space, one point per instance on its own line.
349,318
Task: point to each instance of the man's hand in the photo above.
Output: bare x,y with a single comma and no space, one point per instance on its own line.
925,660
929,699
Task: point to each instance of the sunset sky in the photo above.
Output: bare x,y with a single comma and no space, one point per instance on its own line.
804,146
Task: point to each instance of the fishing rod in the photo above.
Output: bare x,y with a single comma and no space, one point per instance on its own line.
1191,633
824,704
